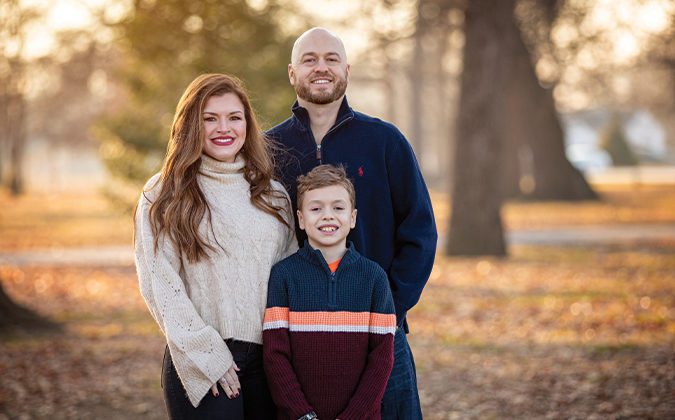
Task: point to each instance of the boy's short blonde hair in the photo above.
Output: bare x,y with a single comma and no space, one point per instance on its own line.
325,176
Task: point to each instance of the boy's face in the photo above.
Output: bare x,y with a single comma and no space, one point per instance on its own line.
327,216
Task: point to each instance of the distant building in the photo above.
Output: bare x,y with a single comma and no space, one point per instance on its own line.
645,135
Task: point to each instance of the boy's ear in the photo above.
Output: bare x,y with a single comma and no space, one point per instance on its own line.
301,223
353,223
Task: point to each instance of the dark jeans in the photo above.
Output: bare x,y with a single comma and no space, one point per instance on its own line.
401,400
254,401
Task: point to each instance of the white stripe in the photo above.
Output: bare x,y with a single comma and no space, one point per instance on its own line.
271,325
383,330
329,328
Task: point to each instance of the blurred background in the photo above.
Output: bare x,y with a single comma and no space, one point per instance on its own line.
545,130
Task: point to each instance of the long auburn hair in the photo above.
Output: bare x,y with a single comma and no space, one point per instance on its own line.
180,205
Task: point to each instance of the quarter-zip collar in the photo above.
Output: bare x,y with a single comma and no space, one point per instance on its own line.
316,257
302,115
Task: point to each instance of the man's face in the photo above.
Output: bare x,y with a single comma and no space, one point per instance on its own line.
319,72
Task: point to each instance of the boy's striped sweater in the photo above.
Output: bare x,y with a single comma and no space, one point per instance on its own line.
328,337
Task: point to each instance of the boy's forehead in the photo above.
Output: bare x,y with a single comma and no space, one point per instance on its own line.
330,192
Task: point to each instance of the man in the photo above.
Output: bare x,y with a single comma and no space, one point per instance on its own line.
395,227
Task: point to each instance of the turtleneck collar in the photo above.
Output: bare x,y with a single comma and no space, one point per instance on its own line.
212,166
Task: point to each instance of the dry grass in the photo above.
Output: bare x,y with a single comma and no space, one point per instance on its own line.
47,221
617,205
550,332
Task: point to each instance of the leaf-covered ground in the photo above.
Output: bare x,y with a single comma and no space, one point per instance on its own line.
551,332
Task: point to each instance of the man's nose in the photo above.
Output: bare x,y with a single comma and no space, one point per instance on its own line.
321,65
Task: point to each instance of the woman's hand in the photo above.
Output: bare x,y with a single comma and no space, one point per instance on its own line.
229,382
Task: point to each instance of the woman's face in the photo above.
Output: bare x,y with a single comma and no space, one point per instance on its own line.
224,127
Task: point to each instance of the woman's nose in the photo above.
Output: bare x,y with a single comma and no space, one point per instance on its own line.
223,126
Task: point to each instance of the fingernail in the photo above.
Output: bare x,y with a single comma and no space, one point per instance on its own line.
236,395
217,394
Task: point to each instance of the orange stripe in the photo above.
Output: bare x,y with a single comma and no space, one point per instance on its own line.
382,320
276,314
342,318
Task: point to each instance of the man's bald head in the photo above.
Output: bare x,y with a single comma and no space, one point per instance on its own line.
317,36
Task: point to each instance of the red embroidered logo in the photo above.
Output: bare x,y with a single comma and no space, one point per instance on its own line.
360,170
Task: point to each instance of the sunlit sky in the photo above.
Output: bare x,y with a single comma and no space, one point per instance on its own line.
630,21
76,14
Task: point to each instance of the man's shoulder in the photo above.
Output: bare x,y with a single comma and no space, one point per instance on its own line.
278,129
374,122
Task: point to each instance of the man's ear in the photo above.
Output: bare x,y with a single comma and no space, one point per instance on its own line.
301,223
291,74
353,223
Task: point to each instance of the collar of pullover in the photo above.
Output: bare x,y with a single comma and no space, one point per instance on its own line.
316,257
224,172
345,112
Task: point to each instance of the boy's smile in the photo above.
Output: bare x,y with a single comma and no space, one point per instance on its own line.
327,217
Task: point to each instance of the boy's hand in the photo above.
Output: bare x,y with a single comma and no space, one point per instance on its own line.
229,382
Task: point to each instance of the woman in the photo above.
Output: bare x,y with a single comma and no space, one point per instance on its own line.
208,229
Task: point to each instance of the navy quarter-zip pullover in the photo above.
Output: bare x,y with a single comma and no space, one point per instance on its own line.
395,226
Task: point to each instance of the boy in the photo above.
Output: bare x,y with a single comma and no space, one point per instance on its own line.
329,325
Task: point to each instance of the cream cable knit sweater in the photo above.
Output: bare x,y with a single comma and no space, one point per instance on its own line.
198,305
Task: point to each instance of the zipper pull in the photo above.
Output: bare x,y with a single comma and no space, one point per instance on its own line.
318,152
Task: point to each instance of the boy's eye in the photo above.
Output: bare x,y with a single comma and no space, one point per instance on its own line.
338,208
315,209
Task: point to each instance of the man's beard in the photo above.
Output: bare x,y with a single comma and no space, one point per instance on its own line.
304,92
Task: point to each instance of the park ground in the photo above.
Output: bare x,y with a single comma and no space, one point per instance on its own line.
554,331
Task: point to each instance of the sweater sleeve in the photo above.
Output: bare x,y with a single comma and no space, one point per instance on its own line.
367,398
291,243
283,382
415,237
197,350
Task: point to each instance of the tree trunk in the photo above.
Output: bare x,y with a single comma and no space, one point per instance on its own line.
534,134
14,317
475,223
17,137
416,75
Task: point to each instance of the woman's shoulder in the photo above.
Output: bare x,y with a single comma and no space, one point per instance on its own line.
152,187
278,186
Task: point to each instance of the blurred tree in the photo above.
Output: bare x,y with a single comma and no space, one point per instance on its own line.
163,45
618,56
475,223
536,166
14,317
14,19
613,140
509,137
